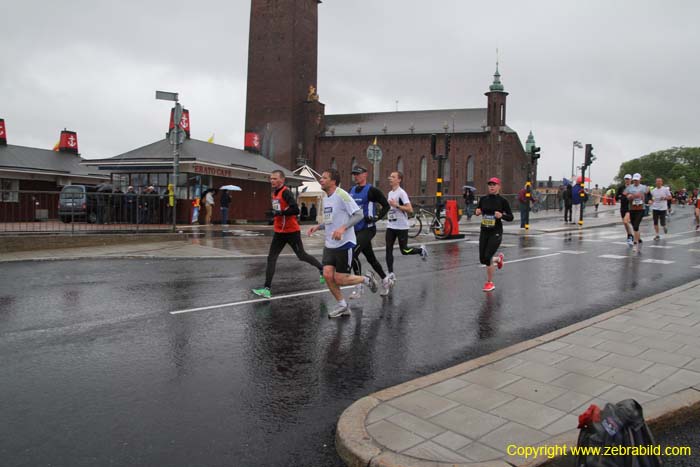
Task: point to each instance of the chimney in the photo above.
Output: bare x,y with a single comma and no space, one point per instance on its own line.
68,142
3,133
184,121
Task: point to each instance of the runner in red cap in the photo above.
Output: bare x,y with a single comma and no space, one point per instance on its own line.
494,209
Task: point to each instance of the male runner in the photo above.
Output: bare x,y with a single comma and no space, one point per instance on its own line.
397,224
636,194
287,231
366,195
697,213
660,196
624,208
495,209
340,214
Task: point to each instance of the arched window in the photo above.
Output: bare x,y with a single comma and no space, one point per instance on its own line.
334,164
399,165
353,163
423,174
446,169
470,169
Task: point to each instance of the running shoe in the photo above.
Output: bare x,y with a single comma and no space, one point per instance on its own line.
634,248
386,287
697,226
630,242
321,280
263,292
372,282
392,278
339,310
665,229
423,253
499,260
489,286
657,238
357,292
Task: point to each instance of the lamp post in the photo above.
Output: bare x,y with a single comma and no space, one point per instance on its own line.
175,139
577,144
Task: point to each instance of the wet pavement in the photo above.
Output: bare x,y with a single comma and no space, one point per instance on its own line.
95,370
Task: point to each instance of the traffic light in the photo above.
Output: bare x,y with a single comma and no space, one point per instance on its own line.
433,144
535,153
590,157
448,143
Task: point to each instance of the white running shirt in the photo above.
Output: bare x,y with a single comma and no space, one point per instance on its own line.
659,195
338,208
397,219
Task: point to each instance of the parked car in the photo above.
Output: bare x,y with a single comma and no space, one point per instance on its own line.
77,202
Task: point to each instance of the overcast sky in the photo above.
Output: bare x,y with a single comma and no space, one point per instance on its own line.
621,75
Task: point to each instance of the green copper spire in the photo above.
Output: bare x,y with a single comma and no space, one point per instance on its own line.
496,85
530,142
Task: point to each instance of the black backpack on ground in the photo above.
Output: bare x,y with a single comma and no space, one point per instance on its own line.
620,424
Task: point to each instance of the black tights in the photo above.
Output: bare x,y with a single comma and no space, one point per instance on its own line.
391,236
364,245
293,239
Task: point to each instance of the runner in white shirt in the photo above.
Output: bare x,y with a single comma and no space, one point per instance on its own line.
340,214
659,203
397,224
636,194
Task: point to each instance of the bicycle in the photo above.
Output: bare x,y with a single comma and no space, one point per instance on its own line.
440,226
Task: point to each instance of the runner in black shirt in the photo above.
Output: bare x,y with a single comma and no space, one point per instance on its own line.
494,209
624,209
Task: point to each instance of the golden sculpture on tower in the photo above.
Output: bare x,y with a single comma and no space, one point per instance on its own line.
312,96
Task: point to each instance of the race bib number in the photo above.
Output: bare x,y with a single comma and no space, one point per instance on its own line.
392,216
328,215
276,205
637,202
488,221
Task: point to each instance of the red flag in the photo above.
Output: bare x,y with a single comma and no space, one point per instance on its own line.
3,133
68,142
252,142
184,121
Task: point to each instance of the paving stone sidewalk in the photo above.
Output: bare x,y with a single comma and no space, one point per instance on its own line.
531,393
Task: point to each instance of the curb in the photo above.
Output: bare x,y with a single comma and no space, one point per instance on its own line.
356,447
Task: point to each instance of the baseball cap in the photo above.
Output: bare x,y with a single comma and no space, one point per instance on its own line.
358,169
628,176
495,180
636,177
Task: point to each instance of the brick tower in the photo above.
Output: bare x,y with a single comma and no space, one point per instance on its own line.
283,114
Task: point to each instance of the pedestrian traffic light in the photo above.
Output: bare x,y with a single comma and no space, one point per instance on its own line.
448,143
590,157
535,153
433,144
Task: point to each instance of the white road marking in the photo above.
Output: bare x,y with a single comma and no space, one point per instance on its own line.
531,257
613,256
255,300
541,248
619,243
657,261
694,250
696,267
660,246
686,241
572,252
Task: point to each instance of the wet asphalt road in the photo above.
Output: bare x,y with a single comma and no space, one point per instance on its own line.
95,370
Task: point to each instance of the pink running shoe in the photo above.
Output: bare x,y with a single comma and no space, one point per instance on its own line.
489,286
499,260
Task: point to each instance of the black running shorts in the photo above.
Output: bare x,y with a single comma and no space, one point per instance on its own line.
636,219
659,214
340,259
488,245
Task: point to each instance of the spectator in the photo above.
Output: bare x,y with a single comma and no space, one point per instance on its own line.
149,204
131,205
304,212
596,194
568,201
224,202
524,202
469,200
312,213
208,206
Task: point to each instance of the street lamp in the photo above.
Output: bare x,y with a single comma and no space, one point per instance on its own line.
577,144
176,138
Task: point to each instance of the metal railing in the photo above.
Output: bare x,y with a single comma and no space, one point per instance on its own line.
78,212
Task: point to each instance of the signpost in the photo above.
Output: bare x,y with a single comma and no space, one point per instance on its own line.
176,137
374,155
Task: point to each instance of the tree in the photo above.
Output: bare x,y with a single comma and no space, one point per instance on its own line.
678,166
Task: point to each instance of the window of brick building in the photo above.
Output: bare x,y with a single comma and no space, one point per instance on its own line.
470,169
399,165
423,174
334,164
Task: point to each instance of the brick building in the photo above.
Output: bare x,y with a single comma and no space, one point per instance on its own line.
286,122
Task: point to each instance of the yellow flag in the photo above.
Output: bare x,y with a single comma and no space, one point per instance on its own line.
211,138
375,141
55,146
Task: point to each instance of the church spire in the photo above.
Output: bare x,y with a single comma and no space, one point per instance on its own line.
496,85
530,142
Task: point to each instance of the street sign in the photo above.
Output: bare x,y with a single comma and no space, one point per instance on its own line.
166,96
374,153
